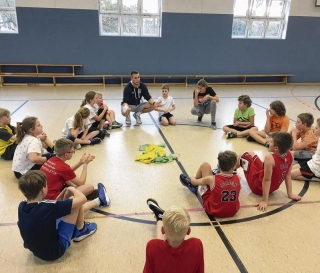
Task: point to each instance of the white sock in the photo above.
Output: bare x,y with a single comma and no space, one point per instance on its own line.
97,200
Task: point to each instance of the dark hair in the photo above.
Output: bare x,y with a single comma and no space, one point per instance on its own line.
278,107
227,160
283,141
306,118
24,127
89,96
245,99
31,184
134,72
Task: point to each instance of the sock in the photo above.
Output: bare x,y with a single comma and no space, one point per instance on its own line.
81,227
97,200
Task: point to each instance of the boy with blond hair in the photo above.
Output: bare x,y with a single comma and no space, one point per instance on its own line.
47,227
7,135
170,252
167,105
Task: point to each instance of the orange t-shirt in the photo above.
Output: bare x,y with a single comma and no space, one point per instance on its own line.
278,123
310,138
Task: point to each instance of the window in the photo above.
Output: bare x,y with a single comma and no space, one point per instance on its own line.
130,17
8,17
260,19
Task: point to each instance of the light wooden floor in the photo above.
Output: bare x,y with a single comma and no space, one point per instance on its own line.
284,239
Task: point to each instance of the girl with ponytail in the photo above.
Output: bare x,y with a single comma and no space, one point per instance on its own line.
76,129
29,154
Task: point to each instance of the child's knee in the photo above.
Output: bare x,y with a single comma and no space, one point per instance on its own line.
205,165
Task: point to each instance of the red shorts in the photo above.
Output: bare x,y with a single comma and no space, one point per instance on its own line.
253,170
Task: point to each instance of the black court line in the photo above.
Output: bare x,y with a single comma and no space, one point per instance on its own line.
316,103
220,232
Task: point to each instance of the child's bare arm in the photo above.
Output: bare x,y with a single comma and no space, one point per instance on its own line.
288,182
78,199
37,158
266,182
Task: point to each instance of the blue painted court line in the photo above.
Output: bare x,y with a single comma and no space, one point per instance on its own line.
19,107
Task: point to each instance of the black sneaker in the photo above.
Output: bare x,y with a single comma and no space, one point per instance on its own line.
154,206
251,139
199,120
185,181
95,140
105,132
231,135
216,170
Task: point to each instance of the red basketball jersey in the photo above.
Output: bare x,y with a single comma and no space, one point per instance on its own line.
223,199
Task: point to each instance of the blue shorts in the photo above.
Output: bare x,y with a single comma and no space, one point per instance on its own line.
66,232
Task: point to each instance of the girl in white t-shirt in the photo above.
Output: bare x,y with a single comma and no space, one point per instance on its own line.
91,102
309,170
29,154
76,129
167,105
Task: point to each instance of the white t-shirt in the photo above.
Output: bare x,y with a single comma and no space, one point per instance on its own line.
21,162
165,103
314,162
70,125
93,112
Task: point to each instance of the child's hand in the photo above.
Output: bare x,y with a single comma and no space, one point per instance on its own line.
42,136
236,123
87,158
157,104
268,113
262,206
197,91
60,197
295,197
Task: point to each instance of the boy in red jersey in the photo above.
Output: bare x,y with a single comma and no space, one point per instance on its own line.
265,177
60,174
220,192
170,252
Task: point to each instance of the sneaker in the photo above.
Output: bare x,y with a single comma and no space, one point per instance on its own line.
231,135
137,117
213,125
267,144
216,170
116,124
94,141
199,120
185,181
77,146
154,206
93,195
251,139
87,230
104,199
128,119
105,132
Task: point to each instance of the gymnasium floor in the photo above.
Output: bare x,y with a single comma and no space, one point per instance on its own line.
283,239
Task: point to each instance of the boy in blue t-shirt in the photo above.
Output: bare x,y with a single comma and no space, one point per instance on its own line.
243,119
47,226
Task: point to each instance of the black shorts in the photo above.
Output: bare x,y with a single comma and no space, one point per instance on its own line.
96,123
167,116
240,129
305,170
9,152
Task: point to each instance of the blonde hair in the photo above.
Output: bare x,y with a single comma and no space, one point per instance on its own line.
176,221
25,126
82,114
62,146
89,97
165,86
4,112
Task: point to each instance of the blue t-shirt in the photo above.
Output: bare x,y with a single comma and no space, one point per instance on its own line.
37,224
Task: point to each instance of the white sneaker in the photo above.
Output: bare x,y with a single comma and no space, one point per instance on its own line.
128,119
77,146
137,117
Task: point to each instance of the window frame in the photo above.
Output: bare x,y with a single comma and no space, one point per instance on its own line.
121,15
249,18
11,10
